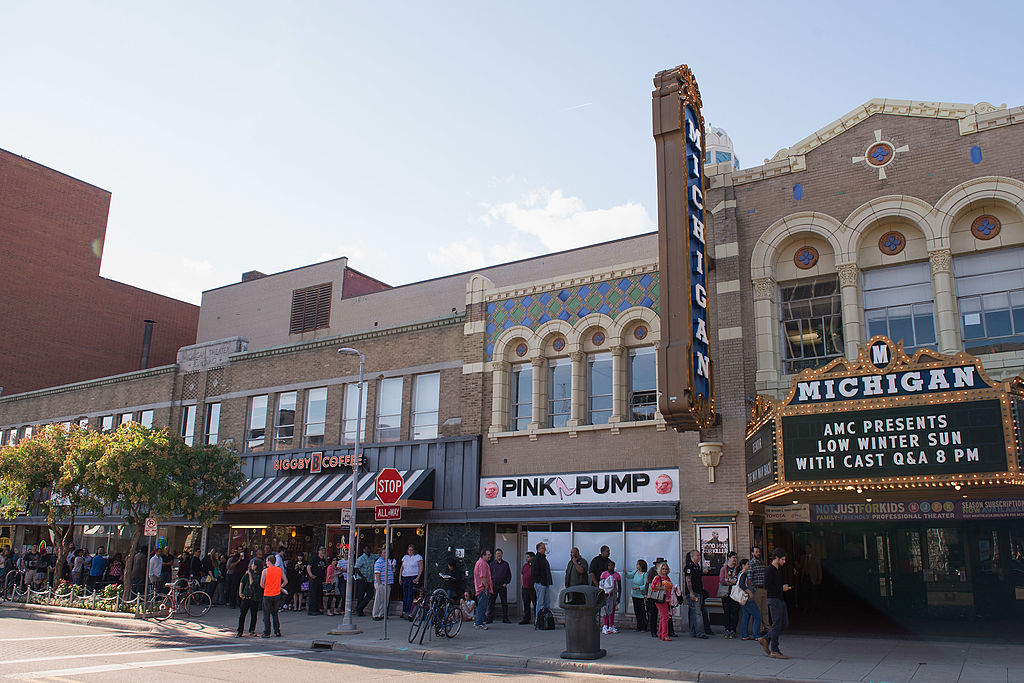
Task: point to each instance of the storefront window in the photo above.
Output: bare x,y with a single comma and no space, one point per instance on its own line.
284,421
521,397
898,304
643,384
946,561
425,405
389,410
350,416
212,435
316,417
812,322
255,442
188,424
990,294
599,388
559,392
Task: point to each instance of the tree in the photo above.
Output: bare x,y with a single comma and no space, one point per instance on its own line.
148,472
53,470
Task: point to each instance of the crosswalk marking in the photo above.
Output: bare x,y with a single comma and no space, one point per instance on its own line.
115,653
104,668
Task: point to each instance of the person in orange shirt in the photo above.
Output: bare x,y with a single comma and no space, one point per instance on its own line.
272,581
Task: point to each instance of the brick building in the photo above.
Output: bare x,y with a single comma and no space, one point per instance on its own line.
62,321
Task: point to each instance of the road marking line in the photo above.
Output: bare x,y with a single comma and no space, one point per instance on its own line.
122,652
87,635
104,668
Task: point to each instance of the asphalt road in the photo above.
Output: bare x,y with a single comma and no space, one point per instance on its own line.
37,649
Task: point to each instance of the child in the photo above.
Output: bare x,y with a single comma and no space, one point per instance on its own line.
468,607
611,583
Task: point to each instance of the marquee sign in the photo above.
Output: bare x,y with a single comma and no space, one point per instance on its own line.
639,486
686,398
931,510
887,421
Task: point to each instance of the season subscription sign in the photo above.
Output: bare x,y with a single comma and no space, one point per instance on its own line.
953,438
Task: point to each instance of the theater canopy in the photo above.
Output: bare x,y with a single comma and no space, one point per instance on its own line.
886,421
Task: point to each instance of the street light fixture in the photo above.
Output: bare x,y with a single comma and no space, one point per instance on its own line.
347,627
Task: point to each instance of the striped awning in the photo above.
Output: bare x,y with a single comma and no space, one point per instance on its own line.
327,491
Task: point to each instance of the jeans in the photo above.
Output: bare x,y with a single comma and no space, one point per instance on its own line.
732,613
780,621
529,603
752,614
694,616
502,593
482,600
408,588
543,598
271,603
705,617
363,594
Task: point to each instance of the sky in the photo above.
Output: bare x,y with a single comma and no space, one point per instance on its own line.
425,138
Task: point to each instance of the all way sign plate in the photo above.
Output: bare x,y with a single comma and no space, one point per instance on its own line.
387,513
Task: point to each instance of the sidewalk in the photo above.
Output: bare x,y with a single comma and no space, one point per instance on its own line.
813,658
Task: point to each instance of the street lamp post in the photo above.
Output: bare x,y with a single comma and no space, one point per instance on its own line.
347,627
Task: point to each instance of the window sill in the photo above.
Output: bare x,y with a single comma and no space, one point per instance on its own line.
572,432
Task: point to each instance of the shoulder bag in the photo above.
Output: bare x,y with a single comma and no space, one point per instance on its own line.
656,594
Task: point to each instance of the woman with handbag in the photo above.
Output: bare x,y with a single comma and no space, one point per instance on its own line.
658,593
726,580
743,593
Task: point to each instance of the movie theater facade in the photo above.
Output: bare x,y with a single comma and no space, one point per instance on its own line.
885,300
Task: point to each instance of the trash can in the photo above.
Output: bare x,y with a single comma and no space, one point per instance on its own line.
582,605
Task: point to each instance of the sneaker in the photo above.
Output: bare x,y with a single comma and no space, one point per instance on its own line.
604,630
482,627
778,655
265,635
612,629
764,646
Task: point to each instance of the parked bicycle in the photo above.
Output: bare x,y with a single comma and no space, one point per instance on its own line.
183,595
440,614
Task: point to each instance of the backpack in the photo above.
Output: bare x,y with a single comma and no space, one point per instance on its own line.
545,620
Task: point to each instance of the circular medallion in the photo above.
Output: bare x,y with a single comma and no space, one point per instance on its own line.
880,153
892,243
640,332
558,344
985,227
598,338
521,350
805,257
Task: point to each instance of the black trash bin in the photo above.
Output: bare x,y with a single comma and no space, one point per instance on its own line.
582,605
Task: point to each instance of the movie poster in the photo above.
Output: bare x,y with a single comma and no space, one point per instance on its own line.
715,544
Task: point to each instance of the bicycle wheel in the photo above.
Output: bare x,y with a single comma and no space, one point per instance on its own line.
452,621
417,623
164,609
198,604
428,623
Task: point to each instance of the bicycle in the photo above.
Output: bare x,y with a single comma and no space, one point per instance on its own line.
444,617
183,595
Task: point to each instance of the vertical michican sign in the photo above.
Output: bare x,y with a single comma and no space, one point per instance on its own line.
684,357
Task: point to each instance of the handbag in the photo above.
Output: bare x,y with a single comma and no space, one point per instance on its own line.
656,594
739,595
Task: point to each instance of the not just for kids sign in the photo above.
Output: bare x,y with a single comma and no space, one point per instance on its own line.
637,486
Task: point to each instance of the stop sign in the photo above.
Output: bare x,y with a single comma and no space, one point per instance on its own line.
389,486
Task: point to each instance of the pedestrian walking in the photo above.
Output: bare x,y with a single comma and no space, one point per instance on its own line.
272,581
693,593
726,580
249,595
541,572
611,584
750,613
412,576
756,580
528,591
483,586
599,565
659,591
775,591
637,582
383,579
364,585
501,575
316,570
576,570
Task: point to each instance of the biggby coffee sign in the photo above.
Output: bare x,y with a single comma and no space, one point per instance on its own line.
638,486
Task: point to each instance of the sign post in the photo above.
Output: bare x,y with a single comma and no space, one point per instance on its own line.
149,530
389,487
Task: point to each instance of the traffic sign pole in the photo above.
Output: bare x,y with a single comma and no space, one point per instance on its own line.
384,576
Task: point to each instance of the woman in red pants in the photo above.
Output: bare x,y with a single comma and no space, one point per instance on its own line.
662,586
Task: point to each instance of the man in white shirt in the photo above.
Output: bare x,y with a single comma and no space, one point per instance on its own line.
412,575
156,568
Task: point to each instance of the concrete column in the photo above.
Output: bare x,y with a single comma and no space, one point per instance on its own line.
853,318
947,331
499,397
540,393
578,406
766,329
620,385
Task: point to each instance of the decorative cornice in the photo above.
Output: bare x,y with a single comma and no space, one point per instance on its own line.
574,280
88,384
457,319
